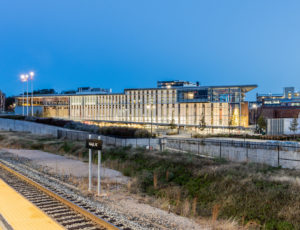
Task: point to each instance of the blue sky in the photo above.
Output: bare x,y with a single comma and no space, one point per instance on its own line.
126,44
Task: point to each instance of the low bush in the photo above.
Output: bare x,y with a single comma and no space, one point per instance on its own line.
249,136
48,121
14,117
142,133
174,132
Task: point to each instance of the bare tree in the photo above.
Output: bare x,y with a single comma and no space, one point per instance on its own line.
294,126
202,122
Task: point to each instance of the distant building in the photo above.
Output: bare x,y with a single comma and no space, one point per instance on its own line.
2,101
284,105
289,97
183,104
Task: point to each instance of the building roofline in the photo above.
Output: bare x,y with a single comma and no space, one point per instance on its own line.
197,87
245,89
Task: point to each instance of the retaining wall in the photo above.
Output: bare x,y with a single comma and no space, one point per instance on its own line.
242,151
274,155
27,126
42,129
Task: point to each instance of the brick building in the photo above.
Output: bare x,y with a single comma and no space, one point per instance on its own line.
285,105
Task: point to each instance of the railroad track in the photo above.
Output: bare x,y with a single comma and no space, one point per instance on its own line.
66,210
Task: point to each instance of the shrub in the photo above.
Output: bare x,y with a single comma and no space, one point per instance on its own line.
142,133
37,146
67,147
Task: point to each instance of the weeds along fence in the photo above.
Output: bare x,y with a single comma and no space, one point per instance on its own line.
286,156
109,140
277,155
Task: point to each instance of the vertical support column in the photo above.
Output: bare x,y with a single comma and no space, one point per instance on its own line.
90,167
99,170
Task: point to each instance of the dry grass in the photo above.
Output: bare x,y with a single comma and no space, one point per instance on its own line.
215,212
256,196
186,208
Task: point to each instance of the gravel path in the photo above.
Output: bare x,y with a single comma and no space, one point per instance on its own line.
66,166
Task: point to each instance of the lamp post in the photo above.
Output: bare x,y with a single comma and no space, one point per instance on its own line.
24,78
27,76
31,78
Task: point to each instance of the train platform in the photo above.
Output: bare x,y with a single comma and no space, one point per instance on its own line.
17,213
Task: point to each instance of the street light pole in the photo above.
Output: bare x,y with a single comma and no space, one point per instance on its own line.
31,78
27,96
23,100
24,78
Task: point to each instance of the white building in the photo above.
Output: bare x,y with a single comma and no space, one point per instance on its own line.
185,105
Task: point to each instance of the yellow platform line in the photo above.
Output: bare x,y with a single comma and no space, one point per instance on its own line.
20,214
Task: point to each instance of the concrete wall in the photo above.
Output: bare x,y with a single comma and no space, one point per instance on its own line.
26,126
240,151
41,129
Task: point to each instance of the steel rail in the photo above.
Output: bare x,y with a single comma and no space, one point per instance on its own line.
76,208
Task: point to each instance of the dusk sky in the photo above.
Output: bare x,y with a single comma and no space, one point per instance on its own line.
130,44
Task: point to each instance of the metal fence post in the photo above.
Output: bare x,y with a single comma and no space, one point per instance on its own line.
90,167
220,149
198,147
99,170
247,145
278,156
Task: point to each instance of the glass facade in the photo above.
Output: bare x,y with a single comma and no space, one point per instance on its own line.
200,94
